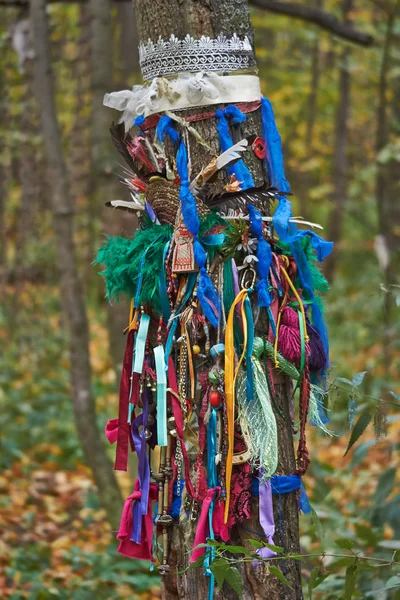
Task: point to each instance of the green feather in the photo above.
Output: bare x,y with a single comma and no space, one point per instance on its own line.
122,260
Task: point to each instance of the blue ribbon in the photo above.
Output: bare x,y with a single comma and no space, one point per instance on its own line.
239,169
264,255
176,499
283,484
287,231
206,292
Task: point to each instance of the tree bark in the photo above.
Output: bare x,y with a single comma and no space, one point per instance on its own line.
320,18
71,290
340,157
181,17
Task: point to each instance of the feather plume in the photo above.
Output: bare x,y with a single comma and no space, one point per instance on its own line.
227,158
118,138
125,205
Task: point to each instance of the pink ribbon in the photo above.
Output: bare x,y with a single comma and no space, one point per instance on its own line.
111,430
143,550
202,529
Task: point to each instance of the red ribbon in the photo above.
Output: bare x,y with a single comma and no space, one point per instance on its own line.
123,436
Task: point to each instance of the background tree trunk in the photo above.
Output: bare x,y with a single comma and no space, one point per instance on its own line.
105,185
340,159
71,290
181,17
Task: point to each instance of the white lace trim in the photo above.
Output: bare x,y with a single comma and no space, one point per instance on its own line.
167,57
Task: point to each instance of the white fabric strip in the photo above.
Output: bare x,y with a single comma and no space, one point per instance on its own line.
186,91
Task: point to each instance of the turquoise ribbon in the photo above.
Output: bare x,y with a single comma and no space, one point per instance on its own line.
212,483
140,343
162,433
162,287
249,349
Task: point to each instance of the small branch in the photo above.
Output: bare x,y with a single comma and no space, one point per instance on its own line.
298,11
317,17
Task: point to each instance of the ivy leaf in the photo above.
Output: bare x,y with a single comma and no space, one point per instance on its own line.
220,568
234,579
358,429
316,521
344,543
358,378
279,575
350,582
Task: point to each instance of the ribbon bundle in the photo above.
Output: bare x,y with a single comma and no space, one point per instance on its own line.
219,306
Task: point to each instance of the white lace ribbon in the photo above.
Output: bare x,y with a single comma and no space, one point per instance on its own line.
186,91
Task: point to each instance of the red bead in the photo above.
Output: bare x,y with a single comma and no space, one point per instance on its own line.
215,399
259,148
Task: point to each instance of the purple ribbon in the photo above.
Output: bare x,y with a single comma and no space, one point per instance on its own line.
140,507
266,517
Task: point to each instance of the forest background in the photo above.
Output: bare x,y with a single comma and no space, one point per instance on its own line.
337,105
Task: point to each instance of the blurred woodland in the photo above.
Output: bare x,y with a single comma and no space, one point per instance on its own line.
337,105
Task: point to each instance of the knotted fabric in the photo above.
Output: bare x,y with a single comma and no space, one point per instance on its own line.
127,547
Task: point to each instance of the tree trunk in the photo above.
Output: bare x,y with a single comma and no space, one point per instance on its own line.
211,18
387,191
340,158
105,185
71,290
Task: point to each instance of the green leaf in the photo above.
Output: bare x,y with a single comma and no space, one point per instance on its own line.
277,549
311,582
279,575
346,561
295,556
396,396
234,579
384,486
393,582
358,378
256,543
350,582
344,543
344,380
316,521
236,549
358,429
219,568
365,565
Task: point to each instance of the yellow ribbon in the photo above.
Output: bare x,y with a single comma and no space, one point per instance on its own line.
230,381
